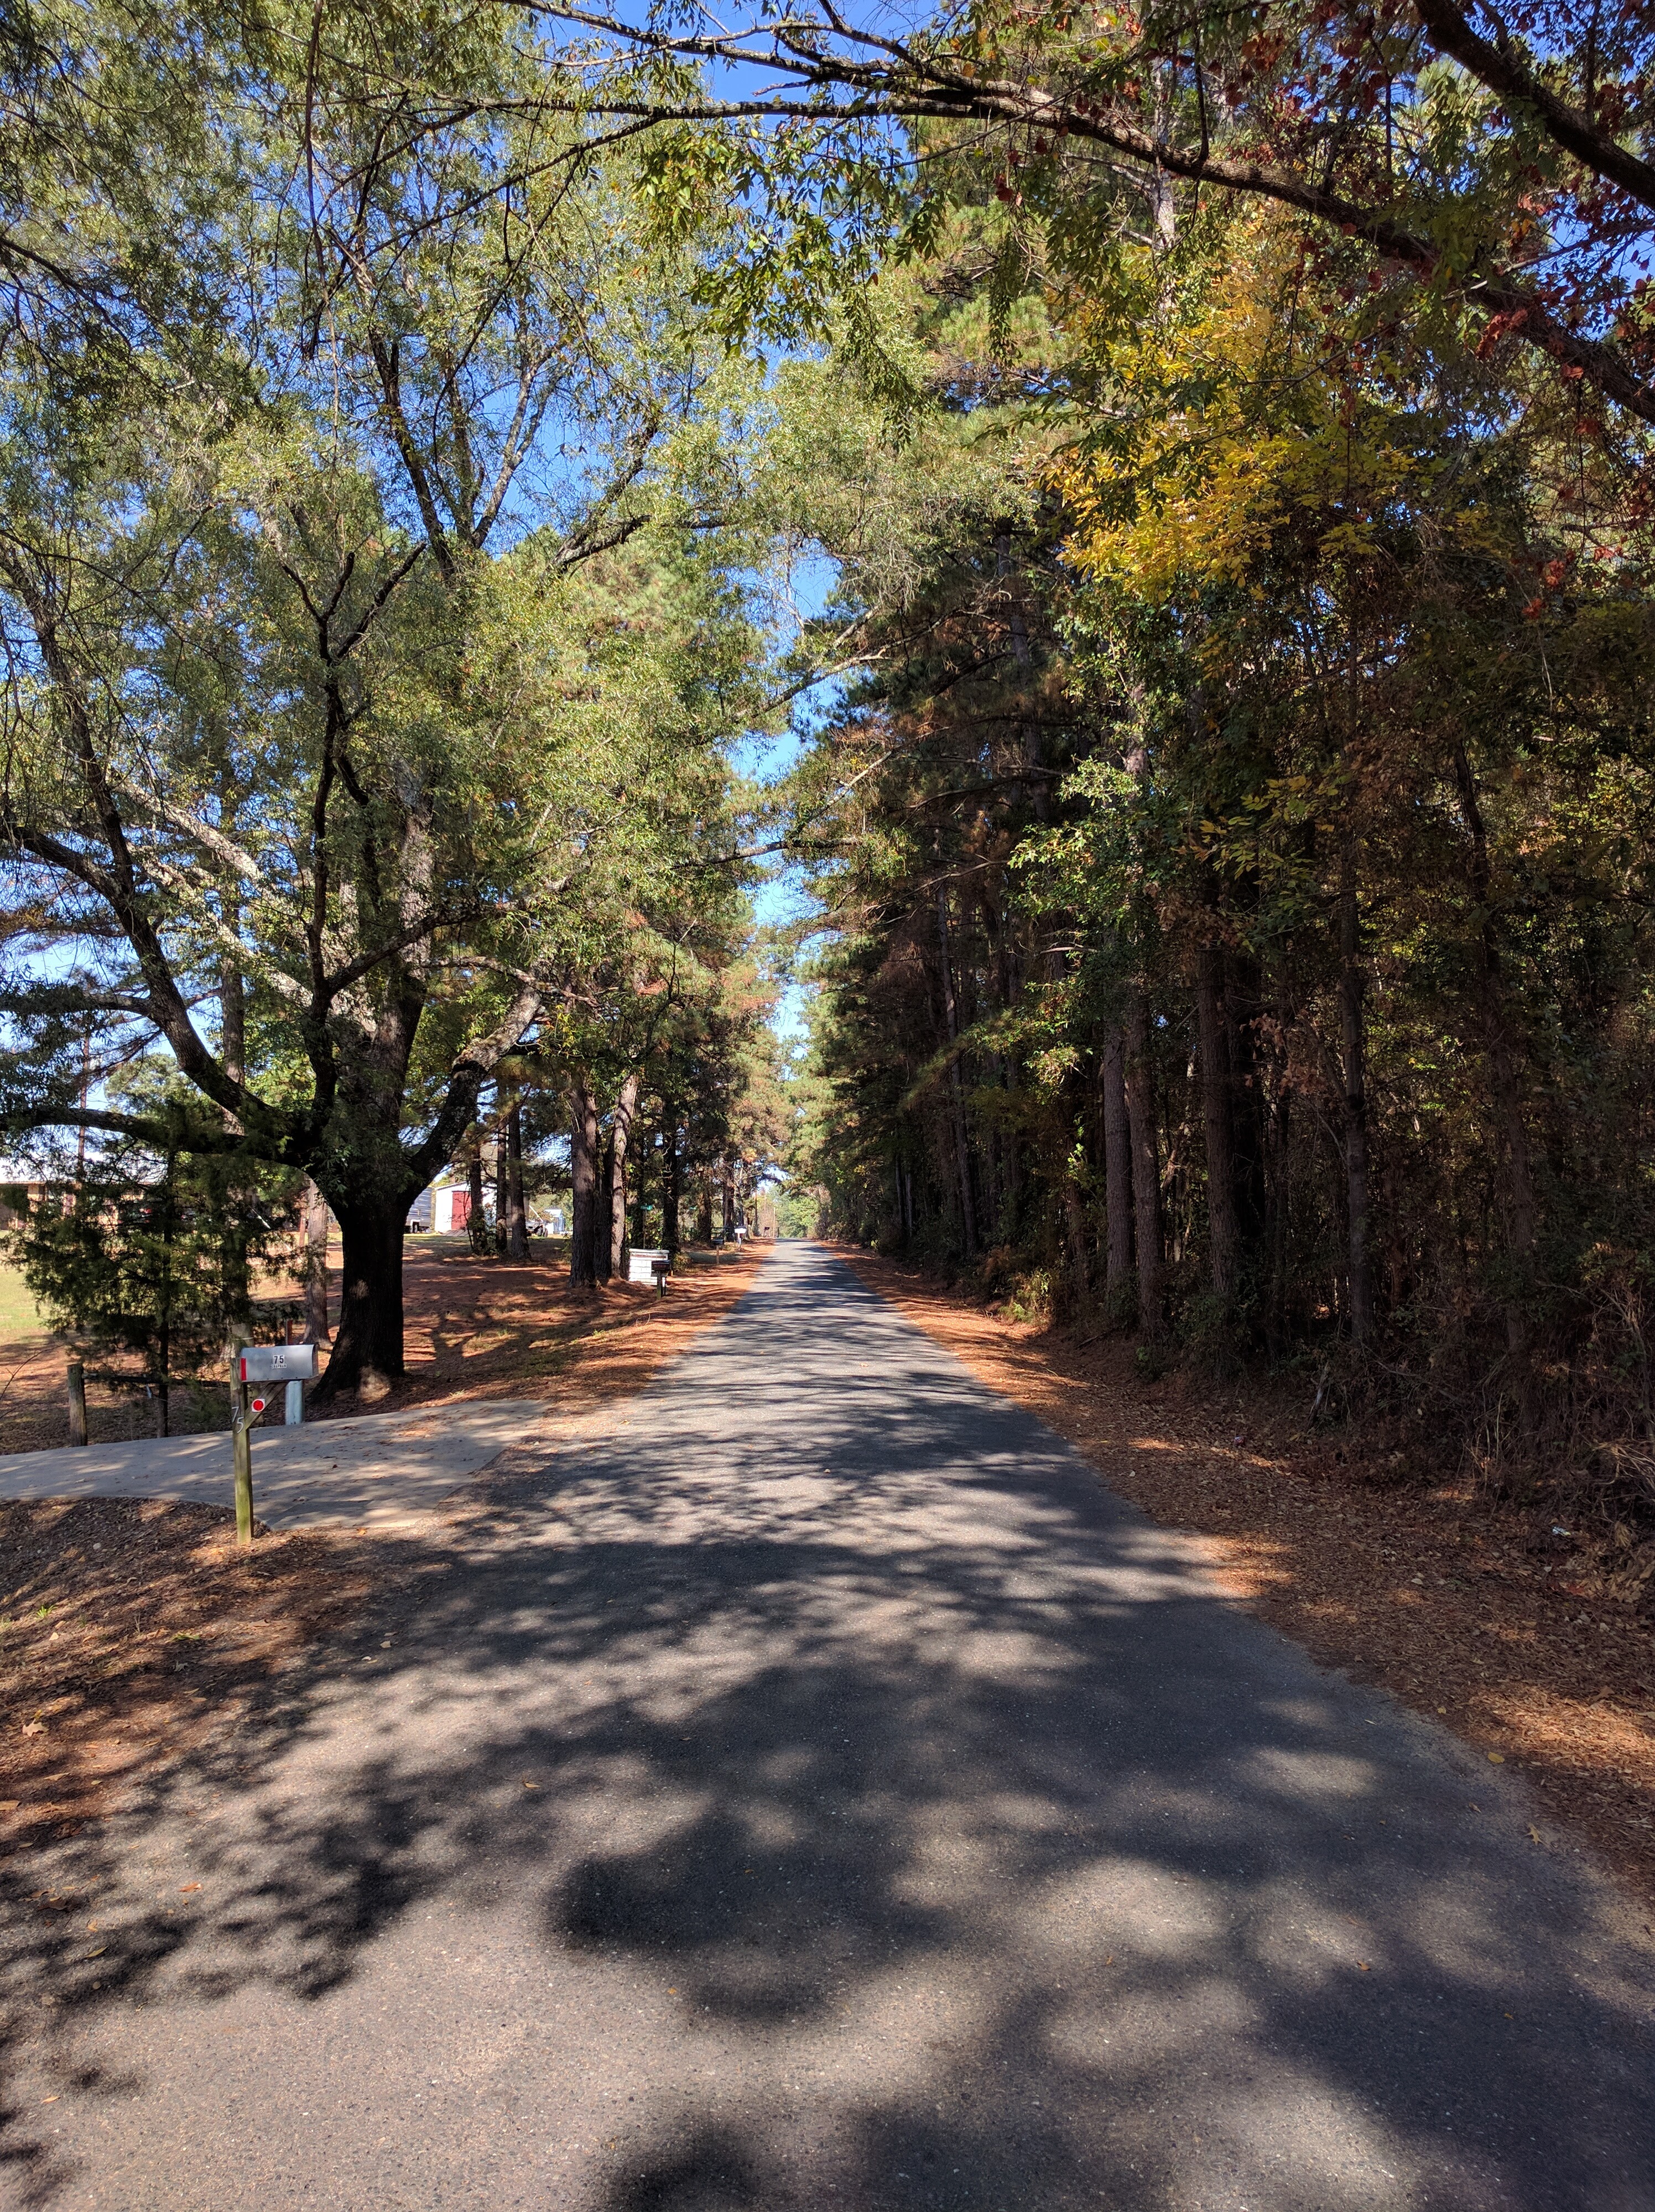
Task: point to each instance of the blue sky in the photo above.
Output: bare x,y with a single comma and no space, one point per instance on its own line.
766,760
783,898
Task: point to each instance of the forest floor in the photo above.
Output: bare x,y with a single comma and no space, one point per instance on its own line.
1536,1646
130,1628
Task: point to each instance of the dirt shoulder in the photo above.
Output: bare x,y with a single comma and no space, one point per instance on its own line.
1537,1649
473,1327
129,1629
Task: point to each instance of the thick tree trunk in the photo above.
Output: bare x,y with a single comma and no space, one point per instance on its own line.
671,1184
1243,1002
1117,1176
600,1254
1278,1193
728,1199
626,1106
367,1347
1145,1170
517,1224
704,1208
476,1224
315,1264
956,1090
1212,1054
583,1202
1355,1075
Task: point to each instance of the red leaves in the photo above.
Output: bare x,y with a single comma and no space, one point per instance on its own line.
1501,327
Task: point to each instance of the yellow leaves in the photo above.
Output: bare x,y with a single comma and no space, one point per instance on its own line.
1226,437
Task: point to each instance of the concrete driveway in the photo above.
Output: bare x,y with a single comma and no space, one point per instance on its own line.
821,1795
372,1470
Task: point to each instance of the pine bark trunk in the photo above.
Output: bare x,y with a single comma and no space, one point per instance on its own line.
671,1184
1278,1193
476,1222
517,1224
1145,1170
315,1264
704,1208
626,1107
1242,1004
1212,1054
1117,1176
1353,1042
956,1091
583,1201
600,1211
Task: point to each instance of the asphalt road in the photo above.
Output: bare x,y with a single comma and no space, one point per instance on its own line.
910,1825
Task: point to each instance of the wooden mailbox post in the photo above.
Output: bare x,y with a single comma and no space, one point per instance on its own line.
250,1364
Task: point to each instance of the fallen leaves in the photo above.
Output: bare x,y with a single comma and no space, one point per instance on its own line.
163,1625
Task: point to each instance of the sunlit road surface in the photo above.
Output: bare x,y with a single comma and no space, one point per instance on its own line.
817,1793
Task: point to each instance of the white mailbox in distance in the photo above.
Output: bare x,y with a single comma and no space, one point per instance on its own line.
279,1363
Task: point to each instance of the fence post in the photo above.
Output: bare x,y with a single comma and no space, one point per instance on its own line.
76,1402
241,1441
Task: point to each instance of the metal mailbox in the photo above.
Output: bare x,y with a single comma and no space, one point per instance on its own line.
279,1363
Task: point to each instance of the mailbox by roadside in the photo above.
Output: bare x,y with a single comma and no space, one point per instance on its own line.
292,1364
278,1362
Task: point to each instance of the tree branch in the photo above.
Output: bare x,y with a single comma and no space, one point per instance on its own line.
903,85
162,1136
470,1071
1499,66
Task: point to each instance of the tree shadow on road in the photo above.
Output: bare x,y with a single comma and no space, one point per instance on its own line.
977,1852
